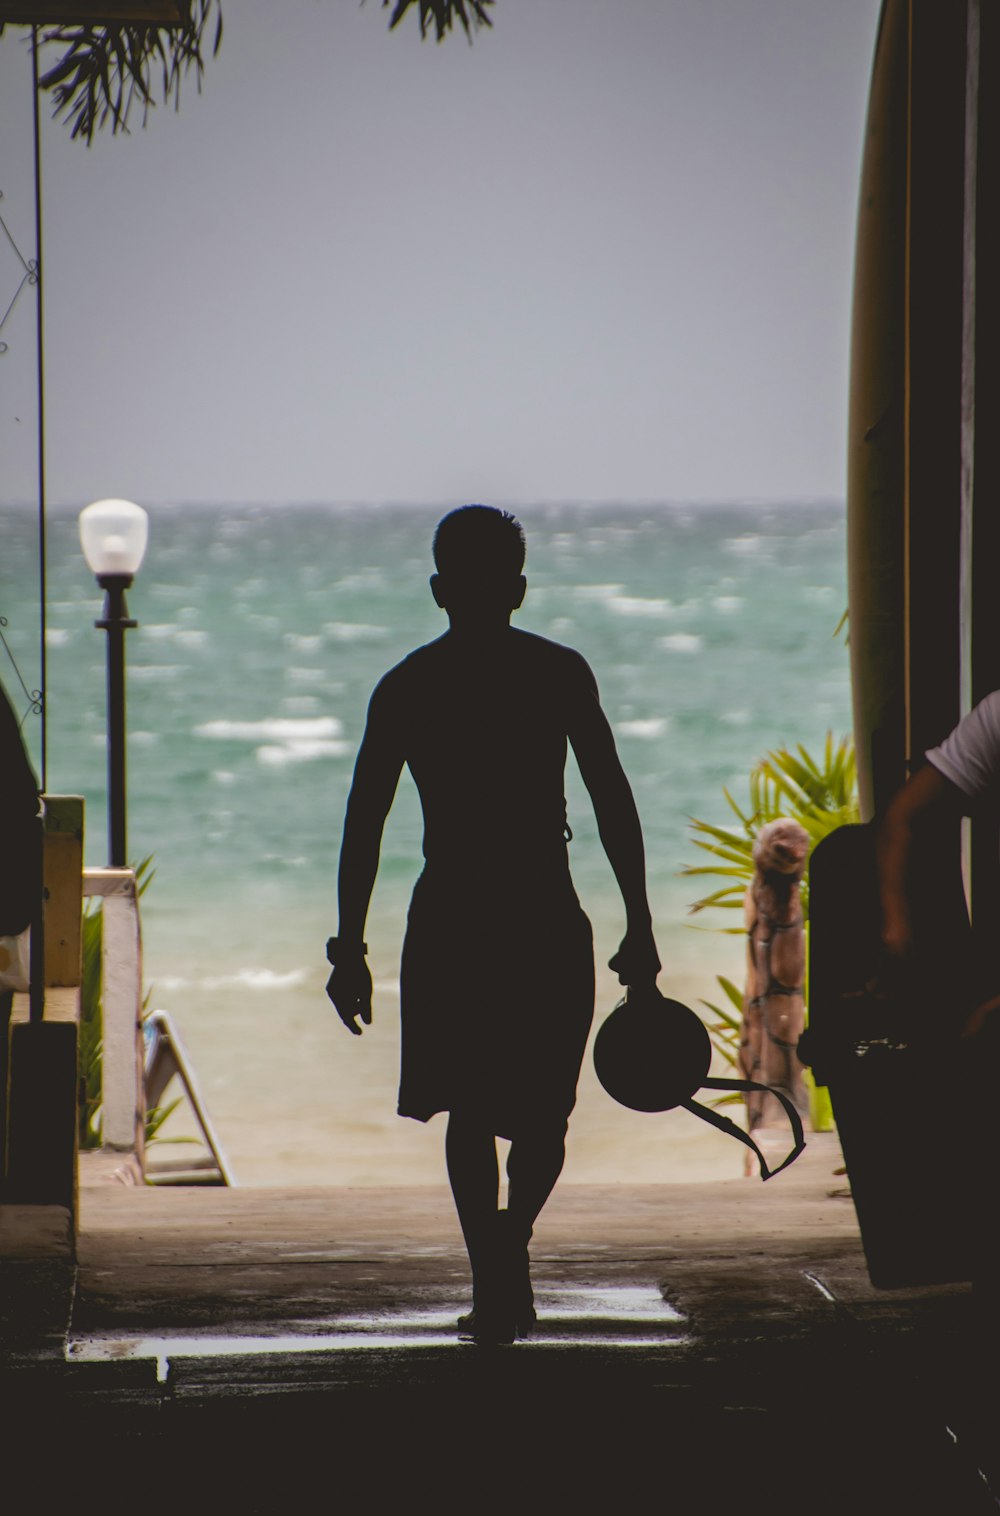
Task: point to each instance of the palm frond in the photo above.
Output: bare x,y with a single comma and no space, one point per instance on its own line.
820,794
442,15
106,73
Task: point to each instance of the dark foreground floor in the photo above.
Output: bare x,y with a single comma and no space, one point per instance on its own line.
704,1349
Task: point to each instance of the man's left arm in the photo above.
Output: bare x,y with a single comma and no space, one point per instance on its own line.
637,961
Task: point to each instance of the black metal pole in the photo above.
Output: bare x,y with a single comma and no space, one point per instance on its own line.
116,622
40,307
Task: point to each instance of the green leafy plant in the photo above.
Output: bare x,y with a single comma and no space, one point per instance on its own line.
725,1032
821,796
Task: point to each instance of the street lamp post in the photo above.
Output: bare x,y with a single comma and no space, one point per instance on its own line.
113,536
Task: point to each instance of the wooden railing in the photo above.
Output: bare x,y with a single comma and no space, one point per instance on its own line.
39,1086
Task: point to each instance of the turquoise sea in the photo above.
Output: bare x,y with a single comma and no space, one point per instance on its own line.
262,629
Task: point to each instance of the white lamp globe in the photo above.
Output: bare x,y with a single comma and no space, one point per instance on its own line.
113,536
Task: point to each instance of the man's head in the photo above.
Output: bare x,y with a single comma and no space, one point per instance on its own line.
479,556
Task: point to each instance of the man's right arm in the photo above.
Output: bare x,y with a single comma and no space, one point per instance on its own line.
960,771
927,800
376,775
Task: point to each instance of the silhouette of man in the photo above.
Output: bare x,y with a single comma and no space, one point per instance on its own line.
497,976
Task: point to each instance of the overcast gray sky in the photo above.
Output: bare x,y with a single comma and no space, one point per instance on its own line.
604,253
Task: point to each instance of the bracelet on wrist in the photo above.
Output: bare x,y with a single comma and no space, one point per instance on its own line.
338,947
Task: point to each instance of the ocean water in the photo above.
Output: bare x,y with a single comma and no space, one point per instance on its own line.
262,631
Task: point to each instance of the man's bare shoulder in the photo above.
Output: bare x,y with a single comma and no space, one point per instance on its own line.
409,671
563,662
544,663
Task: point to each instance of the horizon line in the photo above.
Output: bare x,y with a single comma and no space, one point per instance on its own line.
739,502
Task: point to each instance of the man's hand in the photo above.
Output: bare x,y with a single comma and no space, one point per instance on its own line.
350,989
636,962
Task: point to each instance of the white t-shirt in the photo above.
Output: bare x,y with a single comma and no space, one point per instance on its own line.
970,756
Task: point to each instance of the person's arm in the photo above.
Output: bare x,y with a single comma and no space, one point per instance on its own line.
637,962
376,775
927,799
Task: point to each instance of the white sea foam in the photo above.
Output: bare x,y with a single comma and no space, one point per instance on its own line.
636,605
303,643
296,675
278,728
223,776
681,642
144,739
57,636
301,751
746,545
727,604
364,579
250,979
168,631
257,979
354,631
597,591
647,727
155,671
299,704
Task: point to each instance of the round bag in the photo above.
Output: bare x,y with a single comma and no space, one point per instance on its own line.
652,1054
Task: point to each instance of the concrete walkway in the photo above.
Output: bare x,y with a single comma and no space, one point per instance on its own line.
706,1344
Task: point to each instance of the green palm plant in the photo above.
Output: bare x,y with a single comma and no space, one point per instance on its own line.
821,796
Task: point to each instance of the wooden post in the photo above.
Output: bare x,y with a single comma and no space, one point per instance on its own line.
42,1078
41,1113
773,1004
123,1113
62,889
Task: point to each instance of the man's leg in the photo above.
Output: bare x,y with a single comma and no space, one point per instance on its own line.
534,1163
502,1295
471,1153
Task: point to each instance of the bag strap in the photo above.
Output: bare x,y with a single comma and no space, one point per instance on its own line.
725,1125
